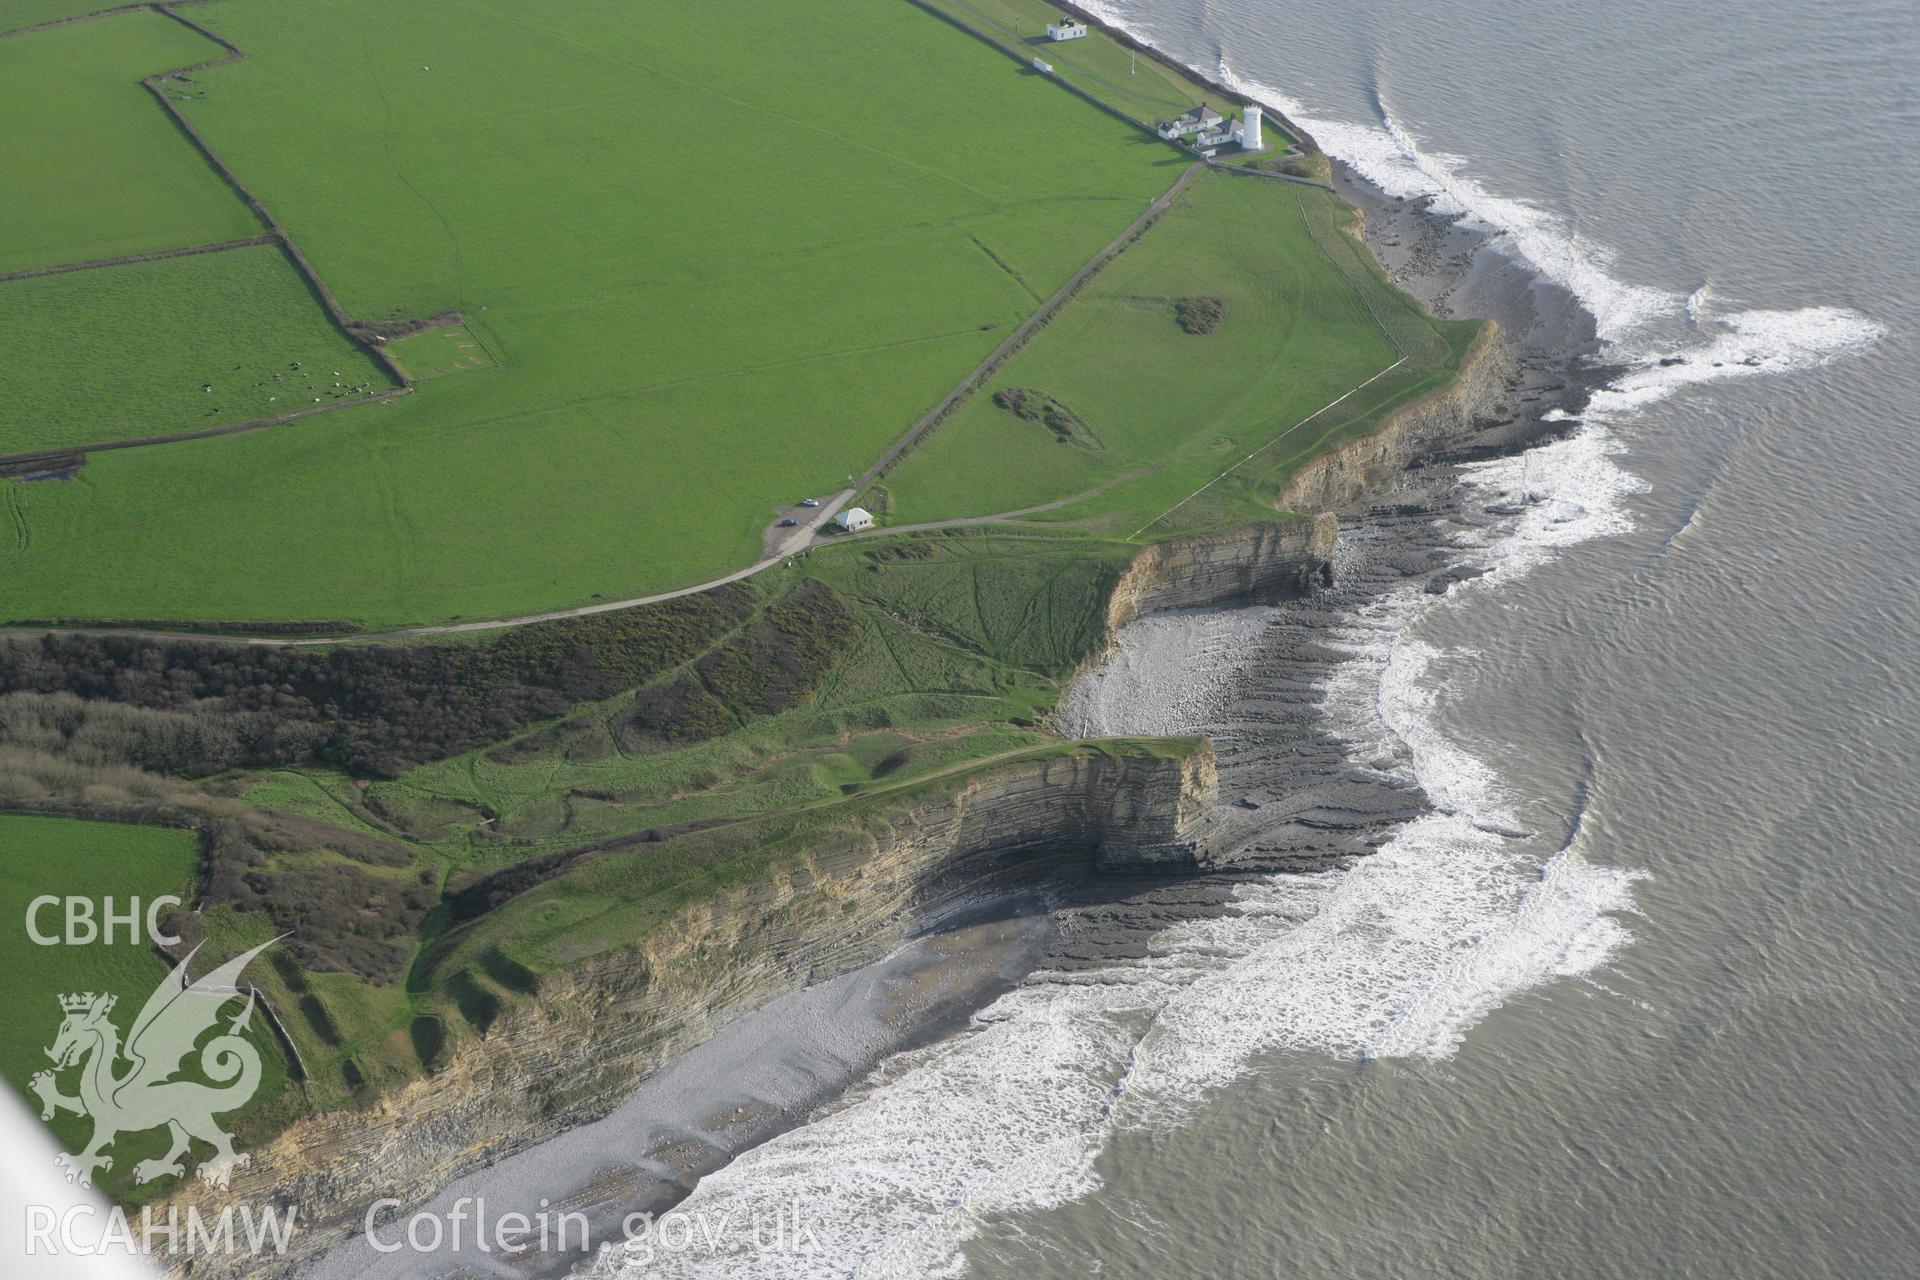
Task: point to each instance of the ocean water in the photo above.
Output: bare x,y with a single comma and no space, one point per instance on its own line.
1635,996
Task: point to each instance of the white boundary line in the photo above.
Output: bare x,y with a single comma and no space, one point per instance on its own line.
1263,448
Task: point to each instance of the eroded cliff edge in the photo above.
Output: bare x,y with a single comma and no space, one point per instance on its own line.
568,1051
1435,422
1273,559
838,896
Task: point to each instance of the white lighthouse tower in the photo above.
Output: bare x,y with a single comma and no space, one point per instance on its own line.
1250,128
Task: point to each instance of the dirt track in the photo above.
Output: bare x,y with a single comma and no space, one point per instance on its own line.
778,546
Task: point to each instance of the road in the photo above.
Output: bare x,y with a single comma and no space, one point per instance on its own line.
1032,322
778,546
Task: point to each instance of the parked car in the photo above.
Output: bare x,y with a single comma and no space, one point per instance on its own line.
788,523
809,502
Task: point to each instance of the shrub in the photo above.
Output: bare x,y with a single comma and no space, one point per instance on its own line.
1030,405
1200,315
190,708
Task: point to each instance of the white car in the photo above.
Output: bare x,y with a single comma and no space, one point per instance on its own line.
809,502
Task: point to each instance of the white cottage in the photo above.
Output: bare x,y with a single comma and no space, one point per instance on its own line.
1201,119
1067,29
854,519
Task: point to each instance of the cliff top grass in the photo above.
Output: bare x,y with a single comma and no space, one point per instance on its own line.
902,667
717,275
172,345
102,172
1184,426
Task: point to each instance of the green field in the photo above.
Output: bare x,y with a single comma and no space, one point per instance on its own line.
62,856
1143,87
28,13
439,352
102,171
772,287
1166,411
65,856
136,346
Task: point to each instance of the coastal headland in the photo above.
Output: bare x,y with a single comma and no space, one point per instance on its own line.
506,700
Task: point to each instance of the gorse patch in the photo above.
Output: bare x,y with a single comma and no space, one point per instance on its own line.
1034,406
192,708
1200,315
764,669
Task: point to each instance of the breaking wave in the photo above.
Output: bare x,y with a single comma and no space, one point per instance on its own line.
1400,956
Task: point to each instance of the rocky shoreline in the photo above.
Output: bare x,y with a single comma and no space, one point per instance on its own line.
1391,498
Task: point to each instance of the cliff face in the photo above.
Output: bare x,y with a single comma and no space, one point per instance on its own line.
572,1052
1269,560
1346,474
1243,564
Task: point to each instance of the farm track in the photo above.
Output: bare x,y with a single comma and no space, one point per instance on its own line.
94,264
1051,307
17,518
778,553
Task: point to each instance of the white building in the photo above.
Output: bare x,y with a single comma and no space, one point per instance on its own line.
1249,130
1067,29
1201,119
854,519
1208,130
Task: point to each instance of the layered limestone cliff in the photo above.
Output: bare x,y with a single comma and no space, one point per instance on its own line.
570,1052
1431,424
1244,564
1270,560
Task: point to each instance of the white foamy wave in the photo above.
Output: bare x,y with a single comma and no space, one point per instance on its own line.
1738,345
1392,159
1399,956
1006,1116
1642,323
1565,492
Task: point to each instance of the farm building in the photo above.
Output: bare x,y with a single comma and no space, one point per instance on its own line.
854,519
1067,29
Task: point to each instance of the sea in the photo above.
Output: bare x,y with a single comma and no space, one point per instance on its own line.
1631,991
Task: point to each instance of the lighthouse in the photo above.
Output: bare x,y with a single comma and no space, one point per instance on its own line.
1250,128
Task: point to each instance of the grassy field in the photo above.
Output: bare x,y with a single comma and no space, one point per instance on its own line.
137,346
1162,410
102,172
762,256
1145,88
61,857
28,13
439,352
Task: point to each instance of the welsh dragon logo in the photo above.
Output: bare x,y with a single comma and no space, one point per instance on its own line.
145,1095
